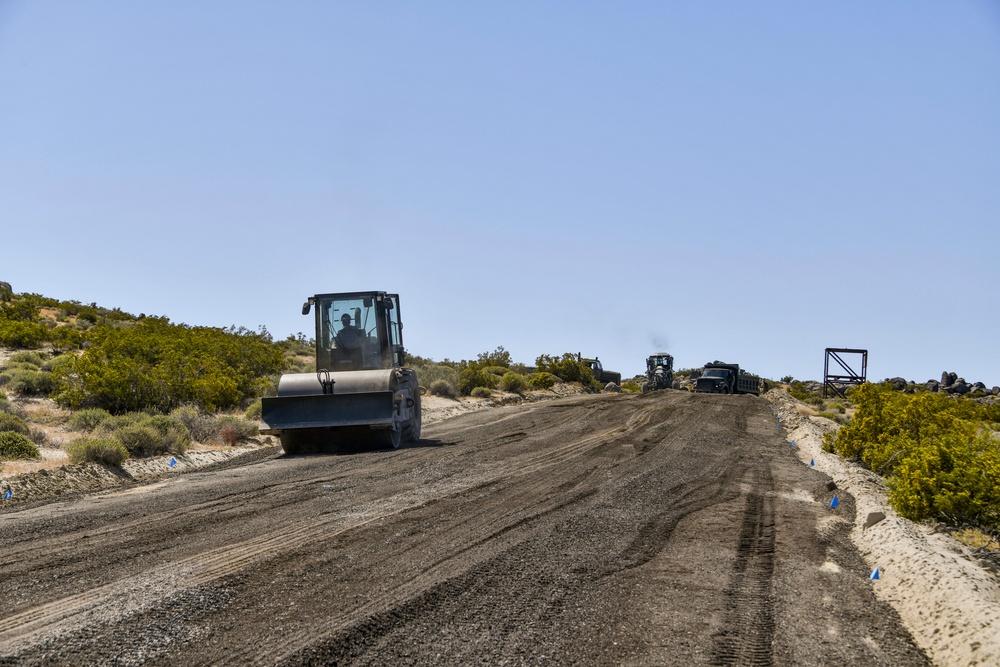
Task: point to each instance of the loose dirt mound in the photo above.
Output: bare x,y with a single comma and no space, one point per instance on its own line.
947,600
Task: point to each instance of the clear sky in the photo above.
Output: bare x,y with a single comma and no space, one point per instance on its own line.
744,181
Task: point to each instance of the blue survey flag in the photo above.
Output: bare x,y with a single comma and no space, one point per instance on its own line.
8,494
874,575
172,462
834,502
812,462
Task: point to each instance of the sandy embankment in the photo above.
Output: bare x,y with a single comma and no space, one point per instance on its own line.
945,598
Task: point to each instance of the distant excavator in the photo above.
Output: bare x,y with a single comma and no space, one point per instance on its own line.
361,393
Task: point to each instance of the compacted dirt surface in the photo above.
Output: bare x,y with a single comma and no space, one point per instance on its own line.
658,529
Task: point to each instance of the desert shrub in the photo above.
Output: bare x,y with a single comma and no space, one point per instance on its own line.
514,382
175,437
88,420
26,357
569,369
233,429
940,461
443,388
19,334
11,408
542,380
832,416
13,424
498,358
38,436
428,375
152,363
97,450
56,362
481,392
472,378
17,446
631,386
253,411
145,434
499,371
28,381
201,426
140,440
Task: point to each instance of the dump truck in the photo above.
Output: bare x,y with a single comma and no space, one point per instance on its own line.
659,372
722,378
361,394
597,368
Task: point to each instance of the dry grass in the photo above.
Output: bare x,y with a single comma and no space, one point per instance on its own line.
976,539
45,411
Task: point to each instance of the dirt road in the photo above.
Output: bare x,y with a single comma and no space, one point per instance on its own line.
667,528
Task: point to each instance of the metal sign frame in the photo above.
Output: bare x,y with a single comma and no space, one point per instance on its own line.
852,377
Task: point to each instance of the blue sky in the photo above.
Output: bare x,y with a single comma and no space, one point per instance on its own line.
751,182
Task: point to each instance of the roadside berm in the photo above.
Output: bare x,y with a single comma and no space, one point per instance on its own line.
948,599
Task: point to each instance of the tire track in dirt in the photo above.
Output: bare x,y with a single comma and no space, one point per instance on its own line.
748,633
66,614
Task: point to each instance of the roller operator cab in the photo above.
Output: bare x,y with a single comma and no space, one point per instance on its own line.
361,393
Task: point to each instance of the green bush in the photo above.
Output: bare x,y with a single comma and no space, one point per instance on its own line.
26,357
174,436
28,382
12,423
56,362
936,451
631,386
513,382
481,392
152,363
201,426
88,420
443,388
499,371
472,378
17,446
428,375
146,435
22,334
253,411
568,369
542,380
97,450
141,441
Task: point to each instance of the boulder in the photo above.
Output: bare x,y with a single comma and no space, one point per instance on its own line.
933,385
899,384
959,388
995,391
947,379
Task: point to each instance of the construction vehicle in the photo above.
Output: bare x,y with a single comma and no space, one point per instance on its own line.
659,372
597,368
361,393
722,378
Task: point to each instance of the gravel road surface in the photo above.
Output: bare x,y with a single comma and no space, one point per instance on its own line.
657,529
